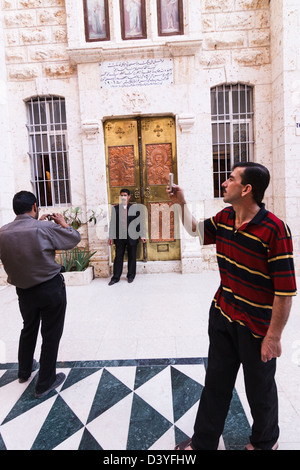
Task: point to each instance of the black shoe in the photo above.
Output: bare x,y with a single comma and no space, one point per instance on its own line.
130,280
112,282
58,381
22,380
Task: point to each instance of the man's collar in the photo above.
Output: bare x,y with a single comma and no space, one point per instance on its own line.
24,216
257,218
260,215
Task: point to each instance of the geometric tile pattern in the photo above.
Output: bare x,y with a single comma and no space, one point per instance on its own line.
111,405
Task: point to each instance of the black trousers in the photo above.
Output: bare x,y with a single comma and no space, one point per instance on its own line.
119,258
43,304
231,345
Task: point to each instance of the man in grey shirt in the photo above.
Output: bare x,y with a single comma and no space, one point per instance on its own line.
27,251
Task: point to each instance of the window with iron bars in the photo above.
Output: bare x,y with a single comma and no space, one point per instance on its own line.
47,129
232,130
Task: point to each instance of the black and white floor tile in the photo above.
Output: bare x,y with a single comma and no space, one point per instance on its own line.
111,405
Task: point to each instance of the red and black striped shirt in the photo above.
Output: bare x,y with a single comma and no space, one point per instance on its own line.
255,263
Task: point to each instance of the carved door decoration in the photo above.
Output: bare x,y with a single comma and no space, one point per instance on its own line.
121,166
140,154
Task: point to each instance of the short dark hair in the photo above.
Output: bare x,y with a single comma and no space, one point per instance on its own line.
125,191
257,175
23,202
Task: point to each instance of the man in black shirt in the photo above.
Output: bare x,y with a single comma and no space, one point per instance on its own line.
124,233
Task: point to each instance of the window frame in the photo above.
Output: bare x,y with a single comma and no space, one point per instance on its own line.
238,123
86,23
44,152
180,30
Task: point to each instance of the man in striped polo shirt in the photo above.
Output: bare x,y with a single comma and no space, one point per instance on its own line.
249,310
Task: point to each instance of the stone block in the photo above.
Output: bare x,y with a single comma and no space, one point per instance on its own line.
262,19
34,36
235,21
12,37
8,4
50,17
59,70
29,4
208,23
225,40
48,53
218,5
252,57
19,19
251,4
79,278
16,55
23,73
59,34
259,38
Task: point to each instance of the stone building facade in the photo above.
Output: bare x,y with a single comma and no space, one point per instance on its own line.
221,82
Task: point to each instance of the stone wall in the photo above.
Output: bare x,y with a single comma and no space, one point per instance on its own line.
36,39
285,21
225,41
38,64
236,48
6,167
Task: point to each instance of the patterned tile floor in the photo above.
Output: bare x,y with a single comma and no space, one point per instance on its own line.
111,405
114,396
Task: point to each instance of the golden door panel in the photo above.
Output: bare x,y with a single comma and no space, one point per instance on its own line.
159,164
161,222
122,157
140,154
122,163
158,137
121,166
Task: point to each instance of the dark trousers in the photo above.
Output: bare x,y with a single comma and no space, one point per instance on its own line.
118,262
45,304
231,345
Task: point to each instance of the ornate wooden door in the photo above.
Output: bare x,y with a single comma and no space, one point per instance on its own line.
140,154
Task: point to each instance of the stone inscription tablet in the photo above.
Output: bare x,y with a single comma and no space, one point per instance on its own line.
136,73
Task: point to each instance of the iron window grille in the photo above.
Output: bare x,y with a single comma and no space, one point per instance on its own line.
232,130
47,129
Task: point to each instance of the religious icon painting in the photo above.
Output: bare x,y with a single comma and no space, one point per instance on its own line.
170,17
96,18
133,19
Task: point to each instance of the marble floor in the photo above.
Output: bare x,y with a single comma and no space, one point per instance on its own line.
134,357
112,405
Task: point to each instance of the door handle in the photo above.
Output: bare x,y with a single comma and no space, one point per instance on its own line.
137,193
147,193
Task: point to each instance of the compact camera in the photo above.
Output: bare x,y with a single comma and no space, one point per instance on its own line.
171,181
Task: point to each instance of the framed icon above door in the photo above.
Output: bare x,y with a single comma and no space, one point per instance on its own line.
133,19
96,18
